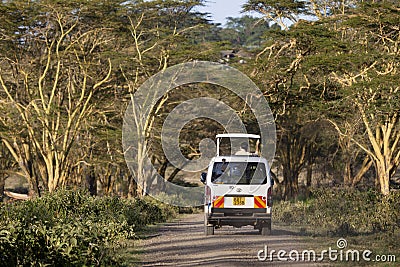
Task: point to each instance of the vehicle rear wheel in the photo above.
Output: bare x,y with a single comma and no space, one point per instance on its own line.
209,229
265,229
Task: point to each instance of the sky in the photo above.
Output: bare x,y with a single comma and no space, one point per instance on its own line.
220,9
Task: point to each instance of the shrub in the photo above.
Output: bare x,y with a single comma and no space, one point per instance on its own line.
343,212
70,228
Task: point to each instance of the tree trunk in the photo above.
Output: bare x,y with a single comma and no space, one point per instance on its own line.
139,191
366,165
383,177
277,184
384,141
91,182
132,187
309,179
291,189
347,178
290,181
2,184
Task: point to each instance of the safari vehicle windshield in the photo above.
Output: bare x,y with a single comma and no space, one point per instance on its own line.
239,173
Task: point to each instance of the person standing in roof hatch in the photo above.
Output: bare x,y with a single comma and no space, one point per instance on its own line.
244,149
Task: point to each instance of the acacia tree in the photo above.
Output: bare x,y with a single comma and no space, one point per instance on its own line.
279,70
163,33
369,81
48,84
349,56
282,12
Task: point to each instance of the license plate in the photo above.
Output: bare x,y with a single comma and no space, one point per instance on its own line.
239,201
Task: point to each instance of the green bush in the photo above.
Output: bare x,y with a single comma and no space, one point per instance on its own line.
343,212
71,228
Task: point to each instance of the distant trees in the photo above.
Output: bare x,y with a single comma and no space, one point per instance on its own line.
245,31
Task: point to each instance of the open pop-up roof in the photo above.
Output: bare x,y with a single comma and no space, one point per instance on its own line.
236,136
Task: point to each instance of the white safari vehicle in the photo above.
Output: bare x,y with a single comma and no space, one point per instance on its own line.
238,186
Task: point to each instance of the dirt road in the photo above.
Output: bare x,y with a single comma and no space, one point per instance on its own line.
183,243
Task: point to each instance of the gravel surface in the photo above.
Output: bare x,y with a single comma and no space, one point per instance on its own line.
183,243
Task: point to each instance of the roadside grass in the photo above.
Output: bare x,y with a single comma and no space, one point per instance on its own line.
318,239
383,244
366,220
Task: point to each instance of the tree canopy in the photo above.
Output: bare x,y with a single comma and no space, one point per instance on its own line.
68,69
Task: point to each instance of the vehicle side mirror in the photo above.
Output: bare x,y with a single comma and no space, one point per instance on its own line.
203,177
272,182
